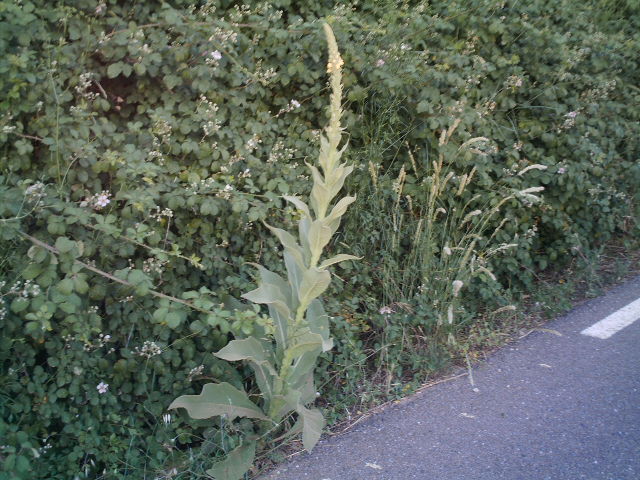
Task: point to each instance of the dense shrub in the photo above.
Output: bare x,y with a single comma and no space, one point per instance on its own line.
149,140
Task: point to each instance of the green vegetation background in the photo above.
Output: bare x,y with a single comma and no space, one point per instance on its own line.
150,140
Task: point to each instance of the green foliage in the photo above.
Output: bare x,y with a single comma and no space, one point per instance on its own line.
149,142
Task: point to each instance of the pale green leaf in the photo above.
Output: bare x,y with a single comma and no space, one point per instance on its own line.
301,368
318,322
337,178
333,219
303,230
319,236
289,243
312,424
319,192
259,358
294,271
300,205
314,283
236,464
218,399
247,349
305,342
341,207
276,293
337,259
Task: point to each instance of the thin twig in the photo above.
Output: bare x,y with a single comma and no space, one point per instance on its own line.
104,274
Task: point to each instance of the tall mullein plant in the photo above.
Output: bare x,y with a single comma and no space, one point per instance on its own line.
284,361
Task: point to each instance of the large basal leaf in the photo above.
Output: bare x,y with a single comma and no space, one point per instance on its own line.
247,349
236,464
312,420
218,399
314,283
259,357
312,424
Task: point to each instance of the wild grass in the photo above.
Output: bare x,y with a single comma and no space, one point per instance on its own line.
429,233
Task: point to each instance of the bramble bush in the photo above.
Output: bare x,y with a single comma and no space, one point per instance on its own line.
143,145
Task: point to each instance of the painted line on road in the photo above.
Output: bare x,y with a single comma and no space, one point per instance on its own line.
615,322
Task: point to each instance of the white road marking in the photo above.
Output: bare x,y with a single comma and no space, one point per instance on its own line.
614,322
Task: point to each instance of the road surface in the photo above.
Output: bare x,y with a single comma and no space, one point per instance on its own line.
563,403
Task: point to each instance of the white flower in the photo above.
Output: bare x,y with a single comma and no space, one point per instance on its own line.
216,55
446,250
562,170
386,310
166,418
102,387
380,62
572,114
295,104
102,200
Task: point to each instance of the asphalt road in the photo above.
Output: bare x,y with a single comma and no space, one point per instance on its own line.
554,406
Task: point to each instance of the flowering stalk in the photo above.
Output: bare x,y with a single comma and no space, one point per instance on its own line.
284,370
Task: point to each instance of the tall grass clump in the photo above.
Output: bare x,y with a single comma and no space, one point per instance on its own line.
434,232
283,355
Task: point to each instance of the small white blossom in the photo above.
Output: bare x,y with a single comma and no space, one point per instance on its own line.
102,387
386,310
562,170
102,201
380,62
216,55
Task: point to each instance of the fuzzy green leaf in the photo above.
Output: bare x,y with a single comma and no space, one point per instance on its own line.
306,342
218,399
300,205
337,259
319,237
318,322
259,357
312,424
289,243
236,464
314,283
274,292
301,368
294,271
